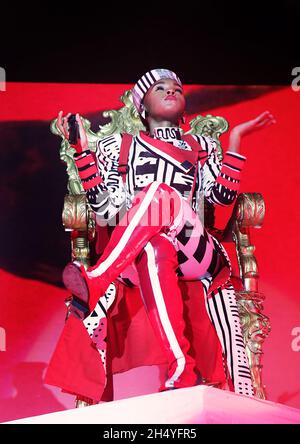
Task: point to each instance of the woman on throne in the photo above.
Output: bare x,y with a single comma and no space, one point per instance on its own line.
160,238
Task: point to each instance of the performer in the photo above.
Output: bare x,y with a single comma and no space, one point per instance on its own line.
159,233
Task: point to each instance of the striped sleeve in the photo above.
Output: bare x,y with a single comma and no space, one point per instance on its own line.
220,180
101,180
87,169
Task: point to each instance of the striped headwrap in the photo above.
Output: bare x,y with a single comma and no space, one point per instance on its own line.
147,80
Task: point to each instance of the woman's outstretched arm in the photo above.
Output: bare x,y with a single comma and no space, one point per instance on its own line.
264,120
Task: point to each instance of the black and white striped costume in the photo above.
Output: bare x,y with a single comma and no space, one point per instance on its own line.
146,165
153,160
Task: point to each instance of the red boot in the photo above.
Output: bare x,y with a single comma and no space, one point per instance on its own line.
157,208
162,298
75,278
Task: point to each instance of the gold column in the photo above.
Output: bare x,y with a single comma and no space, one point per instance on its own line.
249,212
79,219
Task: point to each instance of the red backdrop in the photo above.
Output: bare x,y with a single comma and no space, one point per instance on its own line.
32,309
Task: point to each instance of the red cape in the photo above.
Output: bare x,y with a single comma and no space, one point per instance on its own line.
76,366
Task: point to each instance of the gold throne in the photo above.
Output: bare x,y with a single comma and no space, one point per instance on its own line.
248,212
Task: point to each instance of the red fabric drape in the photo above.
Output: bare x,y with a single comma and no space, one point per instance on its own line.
76,366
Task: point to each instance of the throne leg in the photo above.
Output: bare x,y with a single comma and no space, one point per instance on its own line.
83,402
256,327
250,210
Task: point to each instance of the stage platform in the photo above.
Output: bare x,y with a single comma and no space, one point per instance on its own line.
194,405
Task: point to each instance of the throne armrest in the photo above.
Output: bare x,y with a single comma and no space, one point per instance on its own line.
79,219
248,213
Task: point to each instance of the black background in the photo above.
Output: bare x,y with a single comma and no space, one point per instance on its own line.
217,43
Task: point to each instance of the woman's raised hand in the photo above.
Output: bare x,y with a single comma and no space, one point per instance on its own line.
262,121
62,125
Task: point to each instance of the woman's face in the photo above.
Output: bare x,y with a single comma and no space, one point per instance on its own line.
165,101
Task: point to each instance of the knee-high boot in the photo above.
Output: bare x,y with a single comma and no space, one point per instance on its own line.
156,266
156,208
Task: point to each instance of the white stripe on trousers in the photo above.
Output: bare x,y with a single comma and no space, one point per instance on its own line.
229,337
103,266
163,316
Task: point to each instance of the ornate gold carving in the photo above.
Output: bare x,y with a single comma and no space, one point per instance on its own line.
249,212
66,154
123,120
77,218
75,212
212,126
80,403
80,248
256,327
91,227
